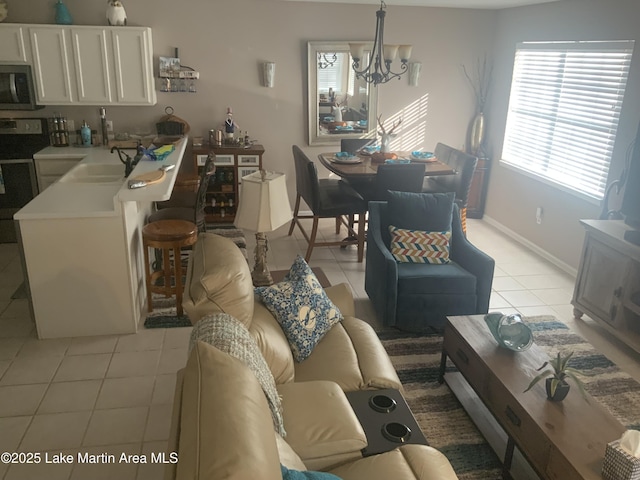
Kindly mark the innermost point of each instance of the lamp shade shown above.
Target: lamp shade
(264, 203)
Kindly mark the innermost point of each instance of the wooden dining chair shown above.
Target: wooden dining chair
(352, 145)
(327, 198)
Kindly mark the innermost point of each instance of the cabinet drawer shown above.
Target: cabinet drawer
(248, 160)
(55, 167)
(516, 422)
(224, 160)
(466, 360)
(201, 160)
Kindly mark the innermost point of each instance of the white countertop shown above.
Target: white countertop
(66, 199)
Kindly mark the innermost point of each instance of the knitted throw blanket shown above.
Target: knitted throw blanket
(230, 336)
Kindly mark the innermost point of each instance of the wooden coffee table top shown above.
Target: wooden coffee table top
(561, 440)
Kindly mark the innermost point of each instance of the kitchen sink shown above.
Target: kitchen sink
(95, 173)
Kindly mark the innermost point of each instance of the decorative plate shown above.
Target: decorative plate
(423, 157)
(346, 160)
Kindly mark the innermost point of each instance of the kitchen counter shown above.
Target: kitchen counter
(82, 243)
(66, 199)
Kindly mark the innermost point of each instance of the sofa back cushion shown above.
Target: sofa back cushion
(226, 430)
(218, 280)
(273, 344)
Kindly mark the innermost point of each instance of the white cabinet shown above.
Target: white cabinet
(49, 171)
(133, 61)
(93, 70)
(92, 65)
(12, 39)
(51, 65)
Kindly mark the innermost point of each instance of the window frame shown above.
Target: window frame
(524, 112)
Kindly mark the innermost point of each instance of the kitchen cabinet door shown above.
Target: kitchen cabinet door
(51, 65)
(132, 56)
(92, 66)
(12, 39)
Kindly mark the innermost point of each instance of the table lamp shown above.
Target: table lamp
(264, 206)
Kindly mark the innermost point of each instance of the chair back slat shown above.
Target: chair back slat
(399, 177)
(464, 165)
(306, 179)
(352, 145)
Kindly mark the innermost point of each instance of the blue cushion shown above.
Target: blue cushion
(429, 212)
(301, 307)
(450, 278)
(306, 475)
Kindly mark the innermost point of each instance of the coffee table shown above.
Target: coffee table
(560, 440)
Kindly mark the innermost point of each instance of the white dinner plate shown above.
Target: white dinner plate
(346, 160)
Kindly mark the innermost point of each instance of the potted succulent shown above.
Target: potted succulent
(557, 387)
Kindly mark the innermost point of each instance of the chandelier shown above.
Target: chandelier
(326, 62)
(379, 68)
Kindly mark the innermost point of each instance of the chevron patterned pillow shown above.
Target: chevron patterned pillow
(415, 246)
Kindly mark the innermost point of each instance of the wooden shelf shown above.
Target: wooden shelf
(232, 163)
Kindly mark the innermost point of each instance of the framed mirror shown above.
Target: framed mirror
(340, 105)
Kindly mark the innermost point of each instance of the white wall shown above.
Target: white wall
(513, 197)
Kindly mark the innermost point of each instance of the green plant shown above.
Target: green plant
(560, 372)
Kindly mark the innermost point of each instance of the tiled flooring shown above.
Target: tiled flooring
(114, 394)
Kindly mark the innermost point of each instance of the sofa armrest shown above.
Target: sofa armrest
(321, 426)
(170, 470)
(342, 296)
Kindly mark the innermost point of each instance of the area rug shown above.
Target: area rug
(164, 314)
(231, 232)
(446, 424)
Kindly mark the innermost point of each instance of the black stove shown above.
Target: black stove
(20, 138)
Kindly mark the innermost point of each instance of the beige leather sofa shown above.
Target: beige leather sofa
(222, 427)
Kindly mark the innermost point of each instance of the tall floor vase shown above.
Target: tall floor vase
(477, 133)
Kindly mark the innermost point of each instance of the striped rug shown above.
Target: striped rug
(446, 424)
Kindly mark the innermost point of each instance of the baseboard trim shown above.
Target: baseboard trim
(531, 246)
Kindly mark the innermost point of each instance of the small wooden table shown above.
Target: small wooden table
(367, 169)
(561, 440)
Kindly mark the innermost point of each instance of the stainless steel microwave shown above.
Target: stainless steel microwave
(17, 91)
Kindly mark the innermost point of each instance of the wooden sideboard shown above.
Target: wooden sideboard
(232, 163)
(608, 282)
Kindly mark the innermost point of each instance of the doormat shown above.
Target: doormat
(447, 425)
(164, 314)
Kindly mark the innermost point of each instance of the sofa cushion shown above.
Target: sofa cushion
(218, 280)
(288, 457)
(404, 208)
(418, 462)
(228, 335)
(416, 246)
(273, 343)
(351, 355)
(301, 307)
(321, 425)
(225, 433)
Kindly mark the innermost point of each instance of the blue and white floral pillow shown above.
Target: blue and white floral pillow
(301, 307)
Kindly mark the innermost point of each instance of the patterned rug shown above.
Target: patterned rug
(164, 314)
(446, 424)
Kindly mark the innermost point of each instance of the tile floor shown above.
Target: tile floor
(114, 394)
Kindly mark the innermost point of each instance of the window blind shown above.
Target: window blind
(564, 110)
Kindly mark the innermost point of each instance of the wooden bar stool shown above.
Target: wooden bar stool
(167, 236)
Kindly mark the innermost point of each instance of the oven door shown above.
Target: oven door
(17, 188)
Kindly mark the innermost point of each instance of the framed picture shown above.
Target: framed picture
(169, 67)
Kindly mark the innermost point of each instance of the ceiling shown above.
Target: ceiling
(485, 4)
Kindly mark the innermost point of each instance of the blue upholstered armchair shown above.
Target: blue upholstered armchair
(418, 296)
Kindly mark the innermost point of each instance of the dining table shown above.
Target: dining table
(362, 168)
